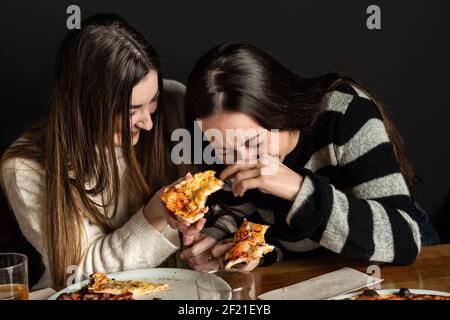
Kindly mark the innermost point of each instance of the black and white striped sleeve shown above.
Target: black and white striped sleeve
(371, 216)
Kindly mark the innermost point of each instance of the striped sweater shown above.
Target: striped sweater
(353, 201)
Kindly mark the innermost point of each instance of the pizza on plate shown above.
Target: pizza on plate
(84, 294)
(187, 199)
(249, 244)
(101, 287)
(100, 283)
(402, 294)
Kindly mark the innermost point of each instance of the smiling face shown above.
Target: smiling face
(143, 104)
(249, 141)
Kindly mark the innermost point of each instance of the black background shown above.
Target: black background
(405, 63)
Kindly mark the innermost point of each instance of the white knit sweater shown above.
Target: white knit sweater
(134, 244)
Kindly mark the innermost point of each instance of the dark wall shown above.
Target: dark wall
(406, 63)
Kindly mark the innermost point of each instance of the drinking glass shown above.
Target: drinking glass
(13, 276)
(226, 285)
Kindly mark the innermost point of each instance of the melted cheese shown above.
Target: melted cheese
(188, 198)
(249, 244)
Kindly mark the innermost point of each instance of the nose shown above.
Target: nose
(145, 121)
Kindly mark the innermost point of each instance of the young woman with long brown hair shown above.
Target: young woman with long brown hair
(343, 181)
(84, 183)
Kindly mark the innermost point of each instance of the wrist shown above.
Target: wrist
(297, 187)
(155, 218)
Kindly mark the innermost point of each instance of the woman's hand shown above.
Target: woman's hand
(208, 255)
(269, 175)
(199, 256)
(158, 216)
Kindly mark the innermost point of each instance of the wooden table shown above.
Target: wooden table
(430, 271)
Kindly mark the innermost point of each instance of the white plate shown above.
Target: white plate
(181, 283)
(391, 291)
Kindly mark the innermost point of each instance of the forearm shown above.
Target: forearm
(371, 230)
(137, 244)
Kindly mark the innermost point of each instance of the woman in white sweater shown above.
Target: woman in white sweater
(84, 184)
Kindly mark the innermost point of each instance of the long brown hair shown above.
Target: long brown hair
(240, 77)
(96, 70)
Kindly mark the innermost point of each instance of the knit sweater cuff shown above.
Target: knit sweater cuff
(141, 231)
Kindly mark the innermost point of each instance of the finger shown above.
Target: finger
(196, 227)
(248, 184)
(188, 240)
(175, 223)
(221, 248)
(198, 248)
(202, 258)
(265, 159)
(244, 175)
(232, 169)
(212, 265)
(247, 266)
(200, 224)
(172, 219)
(270, 165)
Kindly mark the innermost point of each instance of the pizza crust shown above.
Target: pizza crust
(244, 252)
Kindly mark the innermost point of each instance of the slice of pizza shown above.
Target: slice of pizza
(100, 283)
(187, 199)
(250, 231)
(249, 244)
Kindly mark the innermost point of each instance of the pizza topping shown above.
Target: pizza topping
(187, 199)
(103, 288)
(370, 293)
(403, 294)
(251, 231)
(249, 244)
(84, 295)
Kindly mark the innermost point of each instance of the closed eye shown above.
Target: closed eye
(250, 141)
(156, 96)
(253, 146)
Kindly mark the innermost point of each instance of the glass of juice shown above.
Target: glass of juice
(13, 276)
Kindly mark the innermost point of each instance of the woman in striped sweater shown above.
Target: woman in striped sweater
(342, 180)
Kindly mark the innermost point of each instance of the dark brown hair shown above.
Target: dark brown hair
(240, 77)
